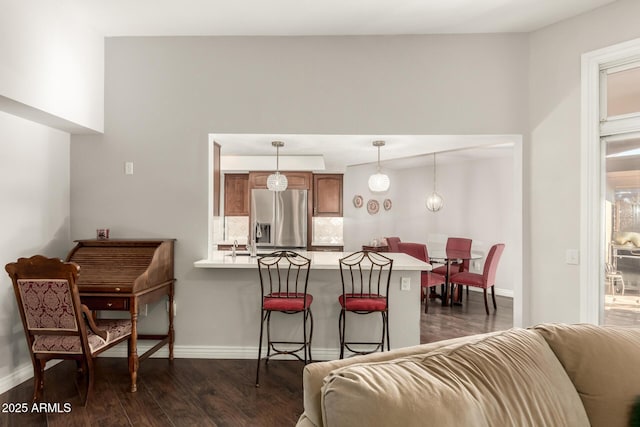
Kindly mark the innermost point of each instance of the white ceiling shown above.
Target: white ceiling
(399, 151)
(326, 17)
(113, 18)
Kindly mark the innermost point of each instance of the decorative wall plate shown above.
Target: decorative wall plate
(358, 201)
(386, 204)
(373, 206)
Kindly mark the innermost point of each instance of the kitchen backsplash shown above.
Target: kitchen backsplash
(236, 228)
(328, 231)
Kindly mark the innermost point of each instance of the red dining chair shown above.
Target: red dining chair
(460, 244)
(427, 278)
(485, 280)
(392, 242)
(284, 278)
(365, 279)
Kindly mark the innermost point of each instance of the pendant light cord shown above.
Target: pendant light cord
(434, 172)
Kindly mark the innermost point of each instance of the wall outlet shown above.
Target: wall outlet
(128, 168)
(405, 283)
(144, 311)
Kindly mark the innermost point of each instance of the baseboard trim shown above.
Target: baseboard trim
(216, 352)
(25, 371)
(500, 292)
(21, 374)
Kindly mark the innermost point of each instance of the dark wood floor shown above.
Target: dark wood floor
(203, 392)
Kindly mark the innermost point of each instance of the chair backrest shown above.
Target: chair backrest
(365, 273)
(491, 264)
(416, 250)
(460, 244)
(283, 274)
(48, 298)
(392, 242)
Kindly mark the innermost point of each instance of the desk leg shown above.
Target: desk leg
(133, 348)
(171, 332)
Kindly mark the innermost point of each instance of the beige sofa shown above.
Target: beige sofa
(550, 375)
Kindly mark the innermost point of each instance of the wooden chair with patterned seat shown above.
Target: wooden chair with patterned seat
(56, 324)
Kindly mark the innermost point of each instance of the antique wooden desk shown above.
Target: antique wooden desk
(123, 275)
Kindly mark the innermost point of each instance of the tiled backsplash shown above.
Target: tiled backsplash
(236, 228)
(327, 231)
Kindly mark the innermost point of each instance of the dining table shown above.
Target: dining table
(450, 257)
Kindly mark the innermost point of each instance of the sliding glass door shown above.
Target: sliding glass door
(620, 132)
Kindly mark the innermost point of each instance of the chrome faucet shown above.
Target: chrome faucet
(233, 248)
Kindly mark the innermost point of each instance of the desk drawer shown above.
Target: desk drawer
(106, 303)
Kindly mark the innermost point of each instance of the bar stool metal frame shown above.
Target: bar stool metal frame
(362, 274)
(284, 279)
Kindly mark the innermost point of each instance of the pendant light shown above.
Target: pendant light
(378, 182)
(434, 202)
(276, 181)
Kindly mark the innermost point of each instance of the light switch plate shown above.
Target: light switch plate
(572, 256)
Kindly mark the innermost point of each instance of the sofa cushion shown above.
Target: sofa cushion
(604, 365)
(512, 378)
(314, 374)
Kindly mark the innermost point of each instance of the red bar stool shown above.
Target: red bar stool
(427, 278)
(284, 277)
(365, 289)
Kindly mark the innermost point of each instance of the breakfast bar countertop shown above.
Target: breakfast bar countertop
(320, 260)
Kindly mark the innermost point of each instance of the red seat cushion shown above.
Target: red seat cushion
(443, 269)
(466, 278)
(429, 278)
(282, 301)
(364, 302)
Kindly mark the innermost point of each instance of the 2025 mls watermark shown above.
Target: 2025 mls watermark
(36, 407)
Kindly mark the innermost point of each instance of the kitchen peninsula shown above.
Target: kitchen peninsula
(237, 280)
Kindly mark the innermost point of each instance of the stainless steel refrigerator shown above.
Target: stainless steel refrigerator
(279, 218)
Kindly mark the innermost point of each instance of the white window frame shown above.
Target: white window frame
(595, 124)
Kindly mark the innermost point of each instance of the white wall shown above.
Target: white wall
(34, 219)
(553, 153)
(479, 204)
(165, 95)
(360, 227)
(51, 64)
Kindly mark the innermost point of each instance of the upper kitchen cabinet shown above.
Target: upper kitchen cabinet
(236, 194)
(327, 195)
(297, 180)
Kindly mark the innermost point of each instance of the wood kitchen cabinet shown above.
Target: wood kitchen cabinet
(327, 195)
(236, 194)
